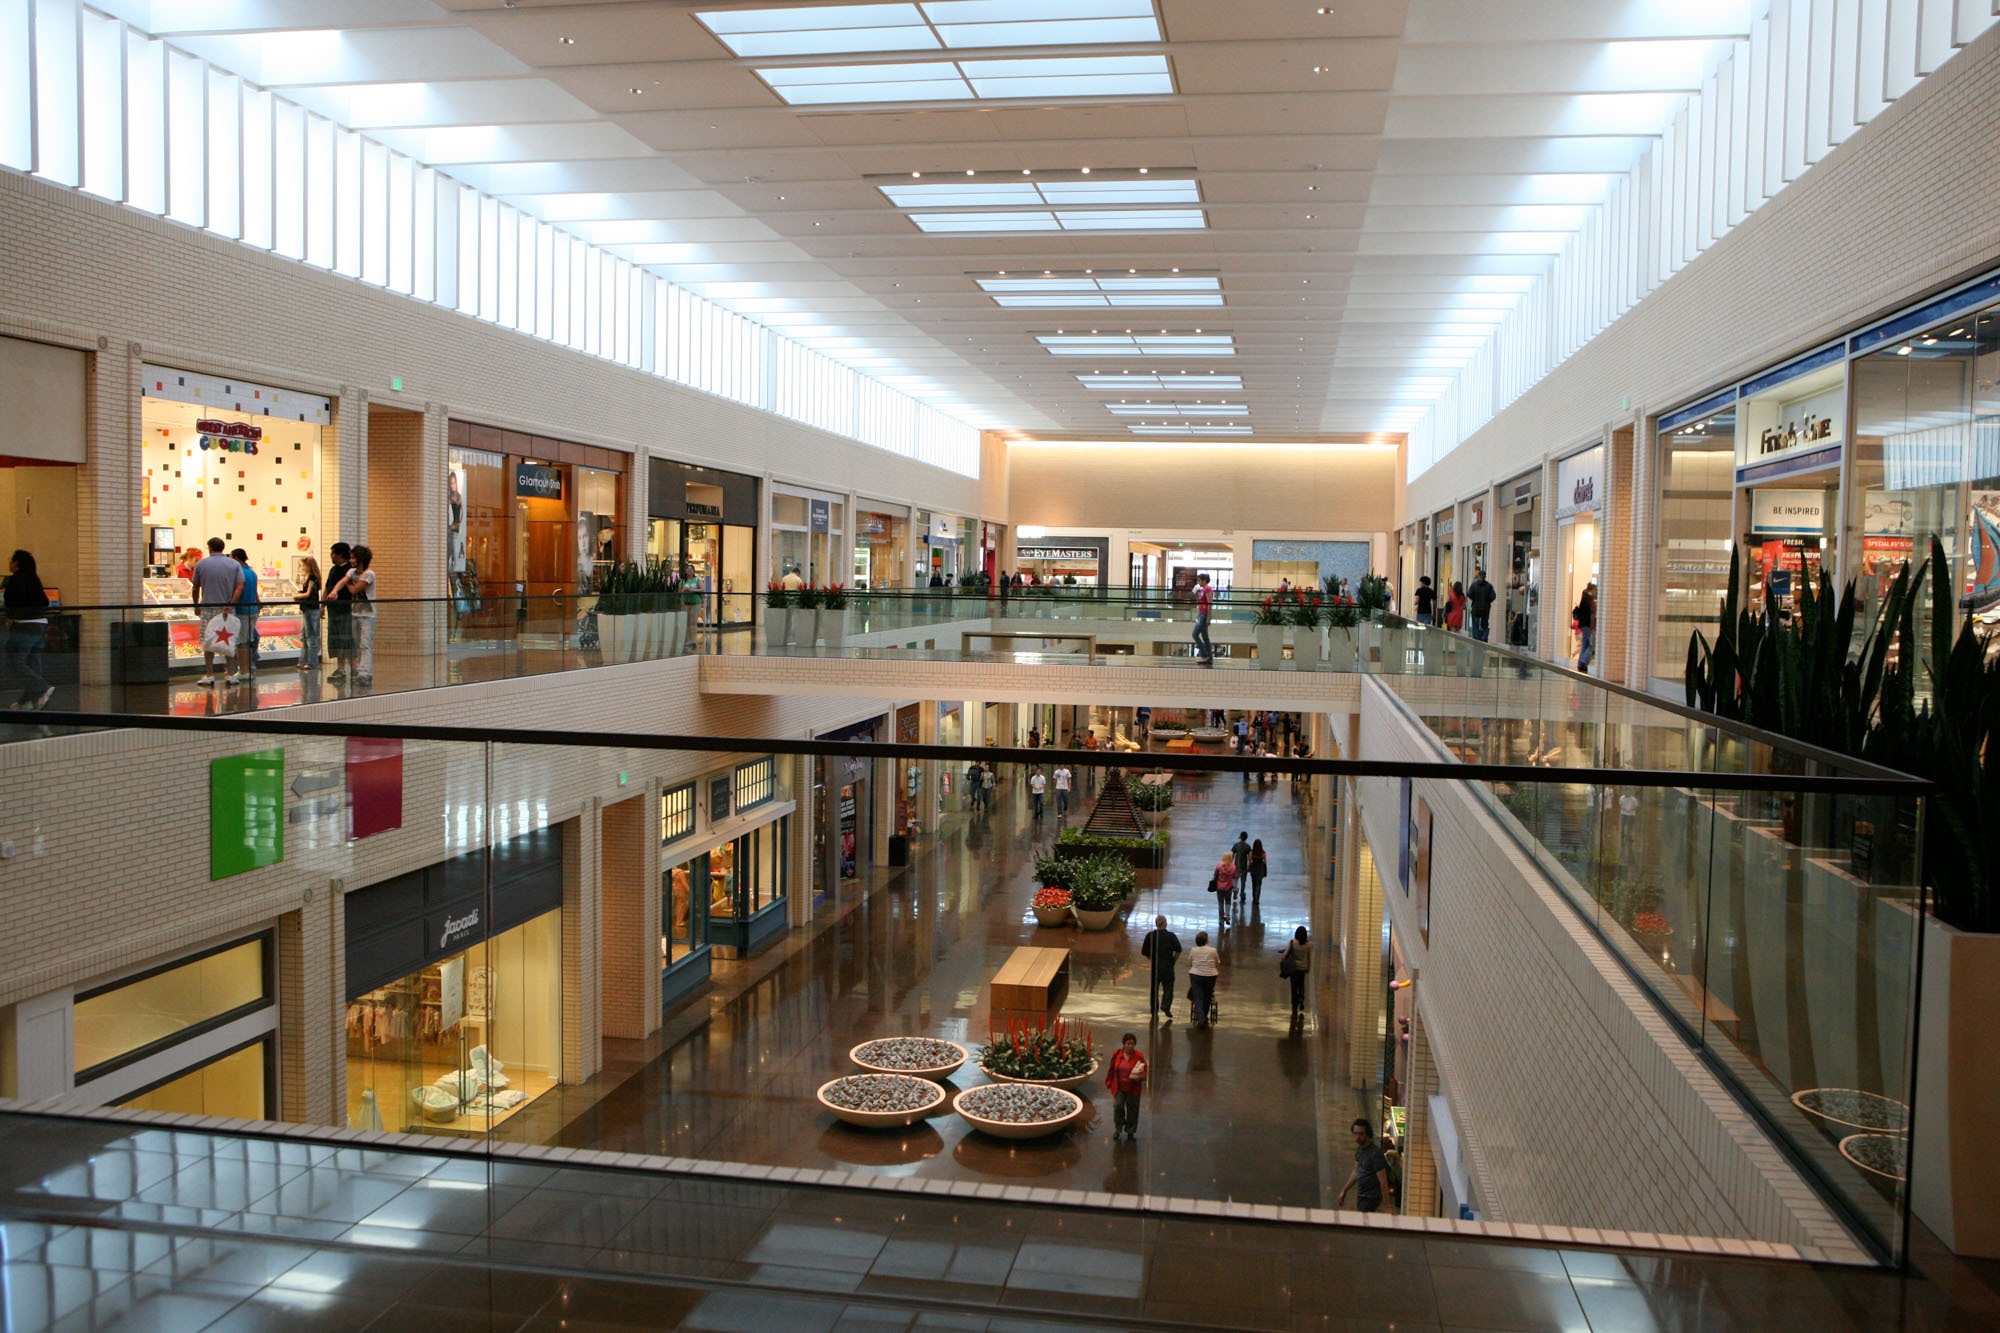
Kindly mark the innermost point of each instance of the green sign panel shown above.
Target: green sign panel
(246, 812)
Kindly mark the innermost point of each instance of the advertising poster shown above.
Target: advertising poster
(1982, 556)
(847, 830)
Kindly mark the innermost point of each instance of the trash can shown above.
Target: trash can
(899, 849)
(139, 652)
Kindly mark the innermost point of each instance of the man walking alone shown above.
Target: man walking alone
(1204, 603)
(1479, 606)
(1160, 948)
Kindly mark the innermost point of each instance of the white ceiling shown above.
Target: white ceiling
(1379, 179)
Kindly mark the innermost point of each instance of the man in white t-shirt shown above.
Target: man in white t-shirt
(792, 582)
(1063, 777)
(1037, 784)
(217, 583)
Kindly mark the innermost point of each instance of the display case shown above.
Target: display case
(279, 624)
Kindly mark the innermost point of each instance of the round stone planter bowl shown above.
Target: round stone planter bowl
(896, 1119)
(936, 1073)
(1015, 1129)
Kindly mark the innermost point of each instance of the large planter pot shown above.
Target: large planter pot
(1395, 650)
(937, 1073)
(833, 627)
(1051, 916)
(798, 626)
(1090, 920)
(1270, 646)
(1955, 1150)
(1340, 649)
(896, 1119)
(614, 636)
(777, 626)
(1306, 648)
(967, 1105)
(673, 633)
(1070, 1084)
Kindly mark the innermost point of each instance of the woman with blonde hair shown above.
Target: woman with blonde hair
(308, 596)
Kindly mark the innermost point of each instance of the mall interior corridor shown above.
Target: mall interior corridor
(732, 1077)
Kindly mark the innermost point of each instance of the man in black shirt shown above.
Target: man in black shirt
(1162, 946)
(1427, 600)
(1479, 600)
(1370, 1180)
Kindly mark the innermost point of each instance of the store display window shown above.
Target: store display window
(703, 524)
(477, 515)
(237, 1084)
(1926, 411)
(807, 534)
(455, 988)
(1790, 431)
(136, 1016)
(462, 1044)
(1691, 554)
(240, 461)
(881, 549)
(528, 515)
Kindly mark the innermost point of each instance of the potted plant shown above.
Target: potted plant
(805, 621)
(1342, 619)
(1051, 1051)
(1097, 890)
(777, 615)
(833, 615)
(614, 632)
(1270, 632)
(1051, 904)
(1052, 870)
(1388, 639)
(1306, 611)
(663, 602)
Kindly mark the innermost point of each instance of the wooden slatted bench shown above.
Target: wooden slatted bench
(1033, 980)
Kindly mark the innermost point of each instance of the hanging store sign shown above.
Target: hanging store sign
(1580, 482)
(1788, 513)
(1055, 553)
(538, 481)
(822, 514)
(1780, 429)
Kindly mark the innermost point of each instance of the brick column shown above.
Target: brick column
(312, 1051)
(109, 561)
(343, 508)
(799, 892)
(582, 965)
(637, 489)
(405, 469)
(1420, 1171)
(629, 874)
(1364, 974)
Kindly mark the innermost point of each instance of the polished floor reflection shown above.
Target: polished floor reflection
(1236, 1111)
(109, 1226)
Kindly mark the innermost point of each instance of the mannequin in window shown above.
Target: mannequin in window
(683, 893)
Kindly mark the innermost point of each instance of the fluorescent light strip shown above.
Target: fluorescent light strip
(1190, 430)
(1075, 284)
(996, 193)
(963, 24)
(1131, 219)
(986, 80)
(1132, 381)
(1178, 409)
(1131, 301)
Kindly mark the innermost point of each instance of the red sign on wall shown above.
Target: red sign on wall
(374, 786)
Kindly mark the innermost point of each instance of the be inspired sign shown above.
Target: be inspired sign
(1788, 513)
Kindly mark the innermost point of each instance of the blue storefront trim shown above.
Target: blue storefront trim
(746, 935)
(681, 979)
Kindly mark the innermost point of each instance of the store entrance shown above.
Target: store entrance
(718, 558)
(1576, 561)
(1788, 538)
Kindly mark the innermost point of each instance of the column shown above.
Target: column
(1551, 618)
(109, 559)
(927, 802)
(312, 973)
(636, 498)
(344, 477)
(1420, 1170)
(799, 892)
(1364, 975)
(582, 963)
(629, 873)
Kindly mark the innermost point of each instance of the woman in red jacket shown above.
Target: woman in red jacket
(1126, 1080)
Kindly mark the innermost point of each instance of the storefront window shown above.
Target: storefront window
(1521, 527)
(807, 533)
(462, 1045)
(528, 515)
(1443, 526)
(1788, 455)
(880, 549)
(1691, 559)
(1927, 465)
(476, 516)
(117, 1021)
(236, 1084)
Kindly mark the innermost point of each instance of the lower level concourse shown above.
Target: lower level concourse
(732, 1076)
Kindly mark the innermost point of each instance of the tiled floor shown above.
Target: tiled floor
(732, 1078)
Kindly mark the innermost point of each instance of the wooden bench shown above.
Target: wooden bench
(1033, 980)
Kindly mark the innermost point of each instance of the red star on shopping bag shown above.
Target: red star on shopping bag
(223, 636)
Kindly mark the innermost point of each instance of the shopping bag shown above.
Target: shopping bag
(218, 635)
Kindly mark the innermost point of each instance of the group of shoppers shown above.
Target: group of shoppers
(226, 584)
(1470, 610)
(1239, 874)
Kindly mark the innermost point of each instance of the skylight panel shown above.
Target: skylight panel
(1169, 284)
(1135, 219)
(1115, 301)
(817, 16)
(1124, 344)
(1039, 284)
(985, 222)
(1071, 301)
(1070, 76)
(1027, 11)
(1144, 190)
(998, 194)
(788, 76)
(1190, 430)
(1178, 409)
(824, 43)
(1054, 32)
(918, 81)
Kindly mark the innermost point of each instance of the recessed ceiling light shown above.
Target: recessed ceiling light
(636, 92)
(567, 41)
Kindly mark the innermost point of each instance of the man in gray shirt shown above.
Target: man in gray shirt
(218, 581)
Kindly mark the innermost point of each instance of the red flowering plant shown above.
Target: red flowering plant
(834, 597)
(1052, 897)
(777, 596)
(1039, 1048)
(1304, 610)
(1651, 923)
(1271, 612)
